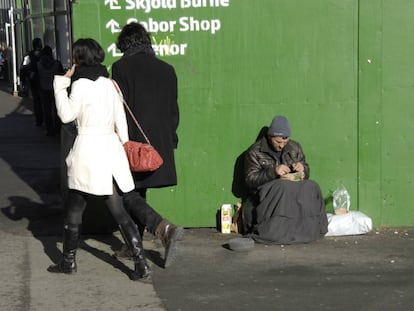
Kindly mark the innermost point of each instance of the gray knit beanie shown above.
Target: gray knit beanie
(279, 127)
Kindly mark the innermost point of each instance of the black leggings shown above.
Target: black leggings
(76, 202)
(141, 213)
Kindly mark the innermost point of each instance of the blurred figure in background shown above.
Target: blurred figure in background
(47, 68)
(29, 70)
(2, 63)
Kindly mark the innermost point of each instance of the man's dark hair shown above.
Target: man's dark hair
(132, 35)
(87, 52)
(37, 44)
(46, 51)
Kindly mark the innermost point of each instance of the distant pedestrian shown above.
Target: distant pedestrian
(33, 58)
(2, 63)
(47, 68)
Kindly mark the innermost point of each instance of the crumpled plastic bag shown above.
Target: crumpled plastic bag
(351, 223)
(341, 200)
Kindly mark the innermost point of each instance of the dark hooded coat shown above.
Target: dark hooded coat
(47, 68)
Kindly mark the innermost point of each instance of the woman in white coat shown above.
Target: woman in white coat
(97, 163)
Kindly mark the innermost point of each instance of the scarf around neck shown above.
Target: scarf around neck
(90, 72)
(142, 48)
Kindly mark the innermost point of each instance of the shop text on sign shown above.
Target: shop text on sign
(185, 23)
(149, 5)
(162, 31)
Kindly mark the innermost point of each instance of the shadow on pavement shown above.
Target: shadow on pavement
(31, 182)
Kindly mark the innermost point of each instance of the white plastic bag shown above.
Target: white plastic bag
(351, 223)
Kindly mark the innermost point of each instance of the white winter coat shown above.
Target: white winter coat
(97, 155)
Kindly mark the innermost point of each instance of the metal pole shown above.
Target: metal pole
(7, 34)
(13, 42)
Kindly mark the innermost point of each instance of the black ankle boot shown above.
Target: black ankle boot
(141, 270)
(67, 264)
(133, 241)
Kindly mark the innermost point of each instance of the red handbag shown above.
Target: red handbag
(142, 157)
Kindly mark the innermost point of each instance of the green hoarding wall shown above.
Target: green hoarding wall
(386, 92)
(340, 70)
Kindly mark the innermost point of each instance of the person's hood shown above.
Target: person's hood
(47, 61)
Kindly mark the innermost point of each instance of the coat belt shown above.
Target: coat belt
(95, 131)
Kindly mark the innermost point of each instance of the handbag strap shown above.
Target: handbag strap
(130, 111)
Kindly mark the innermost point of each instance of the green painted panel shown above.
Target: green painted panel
(370, 112)
(385, 119)
(397, 125)
(292, 57)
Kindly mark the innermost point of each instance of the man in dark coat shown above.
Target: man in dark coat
(149, 86)
(284, 206)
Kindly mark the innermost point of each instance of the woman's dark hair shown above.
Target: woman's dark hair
(132, 35)
(87, 52)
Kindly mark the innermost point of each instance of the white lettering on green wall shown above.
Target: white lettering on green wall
(151, 25)
(204, 3)
(186, 24)
(169, 49)
(165, 33)
(192, 24)
(113, 4)
(149, 5)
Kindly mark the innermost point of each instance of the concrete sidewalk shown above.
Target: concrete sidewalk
(368, 272)
(31, 225)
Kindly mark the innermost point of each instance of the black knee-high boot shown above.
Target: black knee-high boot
(133, 241)
(67, 264)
